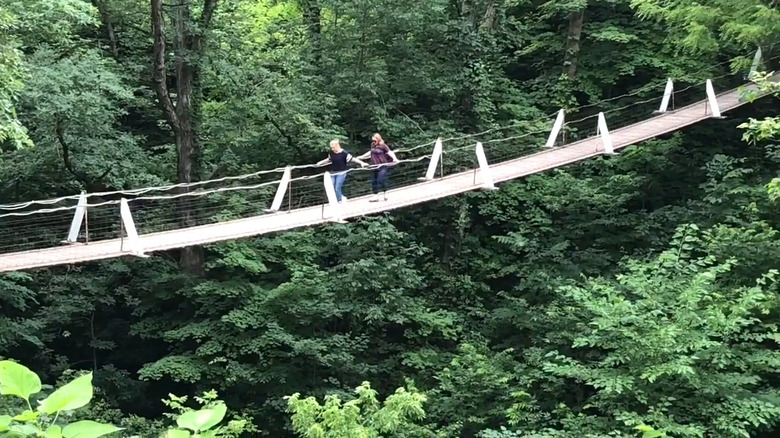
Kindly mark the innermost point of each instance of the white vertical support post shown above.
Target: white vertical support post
(129, 226)
(712, 99)
(434, 160)
(667, 95)
(330, 192)
(281, 190)
(78, 218)
(484, 169)
(555, 130)
(756, 62)
(606, 139)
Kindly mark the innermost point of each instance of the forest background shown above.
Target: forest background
(628, 290)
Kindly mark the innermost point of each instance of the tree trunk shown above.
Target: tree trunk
(105, 18)
(489, 20)
(312, 16)
(467, 11)
(572, 55)
(188, 44)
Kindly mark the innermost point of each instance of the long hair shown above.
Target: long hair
(376, 139)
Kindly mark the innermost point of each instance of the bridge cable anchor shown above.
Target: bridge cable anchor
(128, 227)
(435, 158)
(606, 139)
(484, 169)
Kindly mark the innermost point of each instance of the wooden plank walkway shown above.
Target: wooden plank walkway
(356, 207)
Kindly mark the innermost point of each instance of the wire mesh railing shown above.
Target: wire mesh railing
(45, 223)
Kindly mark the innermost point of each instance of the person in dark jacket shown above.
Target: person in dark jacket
(339, 159)
(381, 158)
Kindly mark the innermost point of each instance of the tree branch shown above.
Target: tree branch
(208, 12)
(290, 141)
(108, 23)
(104, 174)
(82, 177)
(59, 129)
(217, 171)
(160, 73)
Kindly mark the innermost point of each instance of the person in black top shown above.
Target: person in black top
(338, 159)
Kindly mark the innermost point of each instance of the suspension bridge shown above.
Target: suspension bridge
(76, 229)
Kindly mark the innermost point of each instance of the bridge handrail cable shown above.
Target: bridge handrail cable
(141, 191)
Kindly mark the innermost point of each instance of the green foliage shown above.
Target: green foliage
(760, 130)
(362, 417)
(518, 312)
(204, 422)
(57, 22)
(11, 74)
(709, 25)
(16, 299)
(18, 381)
(757, 131)
(72, 396)
(768, 129)
(473, 387)
(774, 189)
(666, 340)
(23, 25)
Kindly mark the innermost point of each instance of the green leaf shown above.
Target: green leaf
(27, 416)
(203, 419)
(5, 421)
(54, 432)
(88, 429)
(648, 432)
(177, 433)
(74, 395)
(26, 429)
(18, 380)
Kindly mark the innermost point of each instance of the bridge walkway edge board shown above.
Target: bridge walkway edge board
(401, 197)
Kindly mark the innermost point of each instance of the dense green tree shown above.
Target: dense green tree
(714, 25)
(11, 77)
(524, 308)
(363, 417)
(666, 341)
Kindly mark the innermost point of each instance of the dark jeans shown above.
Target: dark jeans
(379, 179)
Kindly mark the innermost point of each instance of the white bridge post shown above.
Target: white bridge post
(437, 149)
(78, 218)
(484, 169)
(129, 226)
(330, 192)
(713, 100)
(281, 190)
(606, 139)
(667, 95)
(756, 63)
(555, 130)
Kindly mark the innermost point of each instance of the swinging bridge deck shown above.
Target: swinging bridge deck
(454, 184)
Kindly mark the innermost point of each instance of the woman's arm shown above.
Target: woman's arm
(323, 162)
(389, 152)
(350, 158)
(392, 155)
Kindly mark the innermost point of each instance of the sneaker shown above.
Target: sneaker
(343, 199)
(373, 198)
(384, 195)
